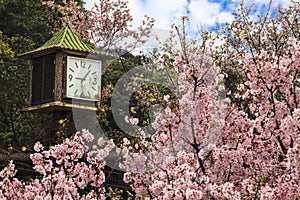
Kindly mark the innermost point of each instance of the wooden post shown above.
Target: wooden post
(59, 72)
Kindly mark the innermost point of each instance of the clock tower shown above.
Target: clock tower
(64, 69)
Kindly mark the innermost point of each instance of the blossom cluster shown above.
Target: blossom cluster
(66, 171)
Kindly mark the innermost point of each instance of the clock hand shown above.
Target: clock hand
(83, 79)
(86, 75)
(79, 78)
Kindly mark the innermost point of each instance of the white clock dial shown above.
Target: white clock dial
(83, 78)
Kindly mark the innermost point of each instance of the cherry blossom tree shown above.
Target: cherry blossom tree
(256, 151)
(69, 13)
(66, 171)
(111, 26)
(171, 164)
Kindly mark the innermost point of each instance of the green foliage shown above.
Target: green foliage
(297, 198)
(120, 194)
(145, 97)
(118, 68)
(140, 102)
(25, 18)
(28, 19)
(14, 80)
(110, 77)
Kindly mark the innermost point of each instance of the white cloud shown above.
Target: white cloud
(275, 3)
(89, 4)
(225, 17)
(165, 12)
(204, 13)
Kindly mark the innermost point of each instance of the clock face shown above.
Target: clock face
(83, 78)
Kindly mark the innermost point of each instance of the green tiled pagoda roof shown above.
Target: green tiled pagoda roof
(66, 39)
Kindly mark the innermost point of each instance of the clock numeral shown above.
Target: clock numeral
(95, 80)
(82, 95)
(70, 77)
(75, 94)
(83, 63)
